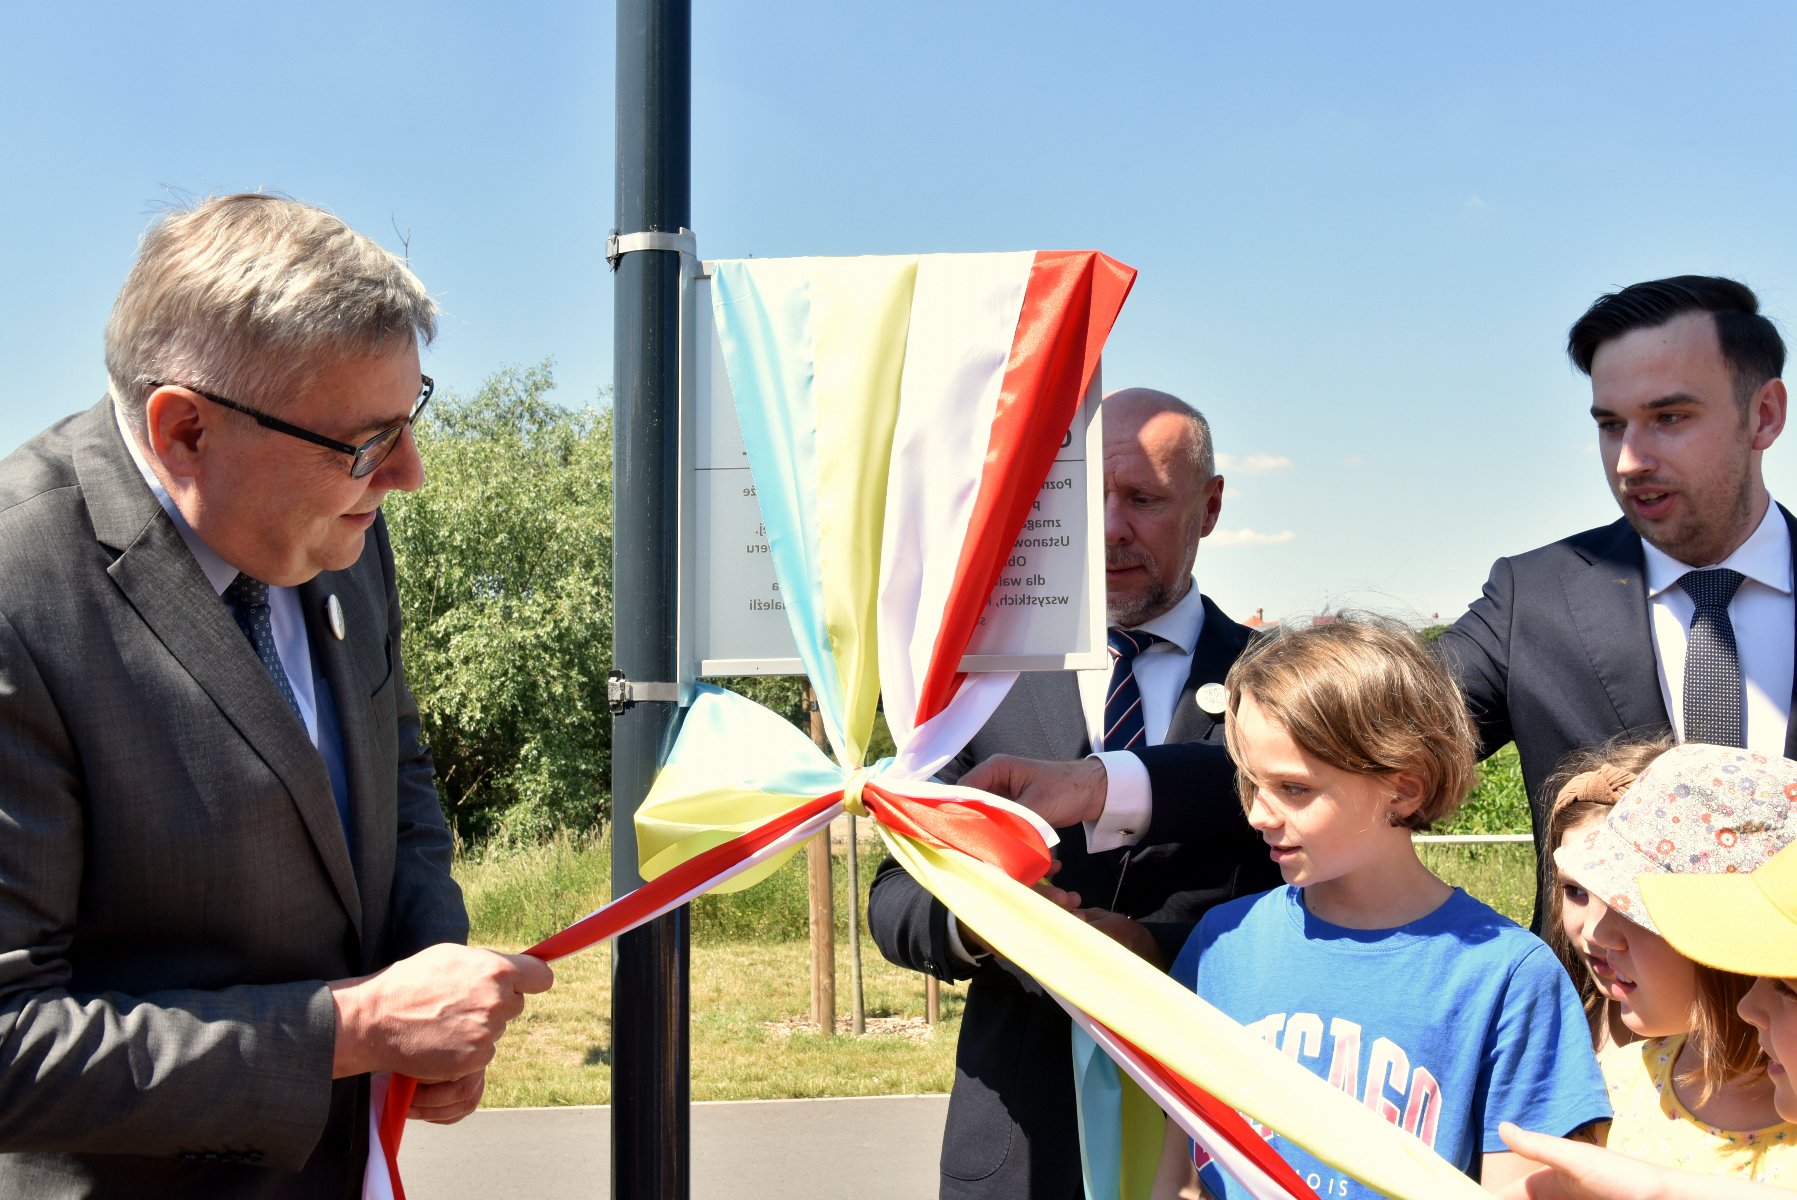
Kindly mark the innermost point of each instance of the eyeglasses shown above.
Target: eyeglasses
(364, 459)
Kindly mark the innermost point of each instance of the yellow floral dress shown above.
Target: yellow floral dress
(1652, 1125)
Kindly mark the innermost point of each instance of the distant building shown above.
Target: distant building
(1259, 621)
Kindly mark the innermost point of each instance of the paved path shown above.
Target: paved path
(877, 1148)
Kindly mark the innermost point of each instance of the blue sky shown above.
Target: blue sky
(1362, 229)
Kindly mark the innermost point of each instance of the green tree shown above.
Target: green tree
(504, 559)
(1499, 802)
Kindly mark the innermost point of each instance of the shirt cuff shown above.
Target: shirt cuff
(1128, 803)
(958, 949)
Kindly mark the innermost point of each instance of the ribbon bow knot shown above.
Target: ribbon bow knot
(793, 784)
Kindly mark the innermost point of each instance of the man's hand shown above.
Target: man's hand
(435, 1015)
(1133, 936)
(1061, 793)
(448, 1102)
(973, 943)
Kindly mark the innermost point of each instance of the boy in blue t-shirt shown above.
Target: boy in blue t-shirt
(1431, 1008)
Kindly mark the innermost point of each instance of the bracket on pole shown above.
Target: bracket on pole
(622, 693)
(617, 245)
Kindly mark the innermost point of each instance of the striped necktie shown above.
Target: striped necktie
(1123, 729)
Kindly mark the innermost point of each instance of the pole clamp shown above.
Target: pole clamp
(617, 245)
(622, 692)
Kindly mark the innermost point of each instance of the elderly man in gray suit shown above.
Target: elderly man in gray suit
(225, 896)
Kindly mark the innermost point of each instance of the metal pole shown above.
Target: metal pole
(650, 1152)
(821, 904)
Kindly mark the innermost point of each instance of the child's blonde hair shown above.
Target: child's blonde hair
(1361, 694)
(1587, 785)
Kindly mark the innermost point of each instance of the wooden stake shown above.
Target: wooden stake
(857, 996)
(932, 999)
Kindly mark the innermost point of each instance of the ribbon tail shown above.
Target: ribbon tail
(390, 1098)
(1229, 1140)
(655, 898)
(1174, 1026)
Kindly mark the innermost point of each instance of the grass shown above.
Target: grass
(1502, 876)
(750, 1040)
(750, 980)
(751, 1036)
(520, 896)
(1498, 804)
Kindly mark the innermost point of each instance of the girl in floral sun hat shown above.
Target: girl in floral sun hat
(1695, 1093)
(1586, 787)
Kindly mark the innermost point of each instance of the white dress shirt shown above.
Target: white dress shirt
(1765, 622)
(285, 617)
(1161, 673)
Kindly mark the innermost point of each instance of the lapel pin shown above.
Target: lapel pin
(333, 613)
(1213, 698)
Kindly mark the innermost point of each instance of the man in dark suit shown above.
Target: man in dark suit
(1679, 616)
(1163, 835)
(224, 876)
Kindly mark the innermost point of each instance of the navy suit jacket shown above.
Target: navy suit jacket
(1557, 655)
(1012, 1129)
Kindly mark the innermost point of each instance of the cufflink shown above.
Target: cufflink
(1213, 698)
(333, 615)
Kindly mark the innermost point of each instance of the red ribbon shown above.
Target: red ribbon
(1225, 1122)
(992, 834)
(1069, 305)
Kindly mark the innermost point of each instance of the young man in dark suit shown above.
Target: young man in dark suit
(1151, 833)
(225, 896)
(1679, 616)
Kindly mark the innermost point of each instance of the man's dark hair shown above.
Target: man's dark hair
(1750, 343)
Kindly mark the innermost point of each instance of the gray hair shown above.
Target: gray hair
(246, 295)
(1204, 456)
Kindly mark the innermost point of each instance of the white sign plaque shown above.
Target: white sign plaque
(1046, 612)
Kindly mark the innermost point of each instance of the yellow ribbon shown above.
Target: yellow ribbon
(1164, 1019)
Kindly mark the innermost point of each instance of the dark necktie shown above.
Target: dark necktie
(1712, 662)
(248, 601)
(1123, 729)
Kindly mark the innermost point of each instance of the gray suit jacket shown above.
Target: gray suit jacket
(175, 884)
(1557, 655)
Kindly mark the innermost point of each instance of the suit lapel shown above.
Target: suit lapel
(1606, 598)
(1220, 641)
(347, 667)
(160, 578)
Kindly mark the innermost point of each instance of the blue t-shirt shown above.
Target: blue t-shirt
(1444, 1026)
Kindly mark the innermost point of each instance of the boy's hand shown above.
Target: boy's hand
(973, 943)
(1133, 936)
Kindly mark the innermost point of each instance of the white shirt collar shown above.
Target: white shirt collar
(219, 573)
(1765, 558)
(1180, 624)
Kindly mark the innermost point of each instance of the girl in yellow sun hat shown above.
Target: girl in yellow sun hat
(1743, 921)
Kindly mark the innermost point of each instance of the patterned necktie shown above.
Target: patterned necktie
(1123, 728)
(1712, 662)
(248, 601)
